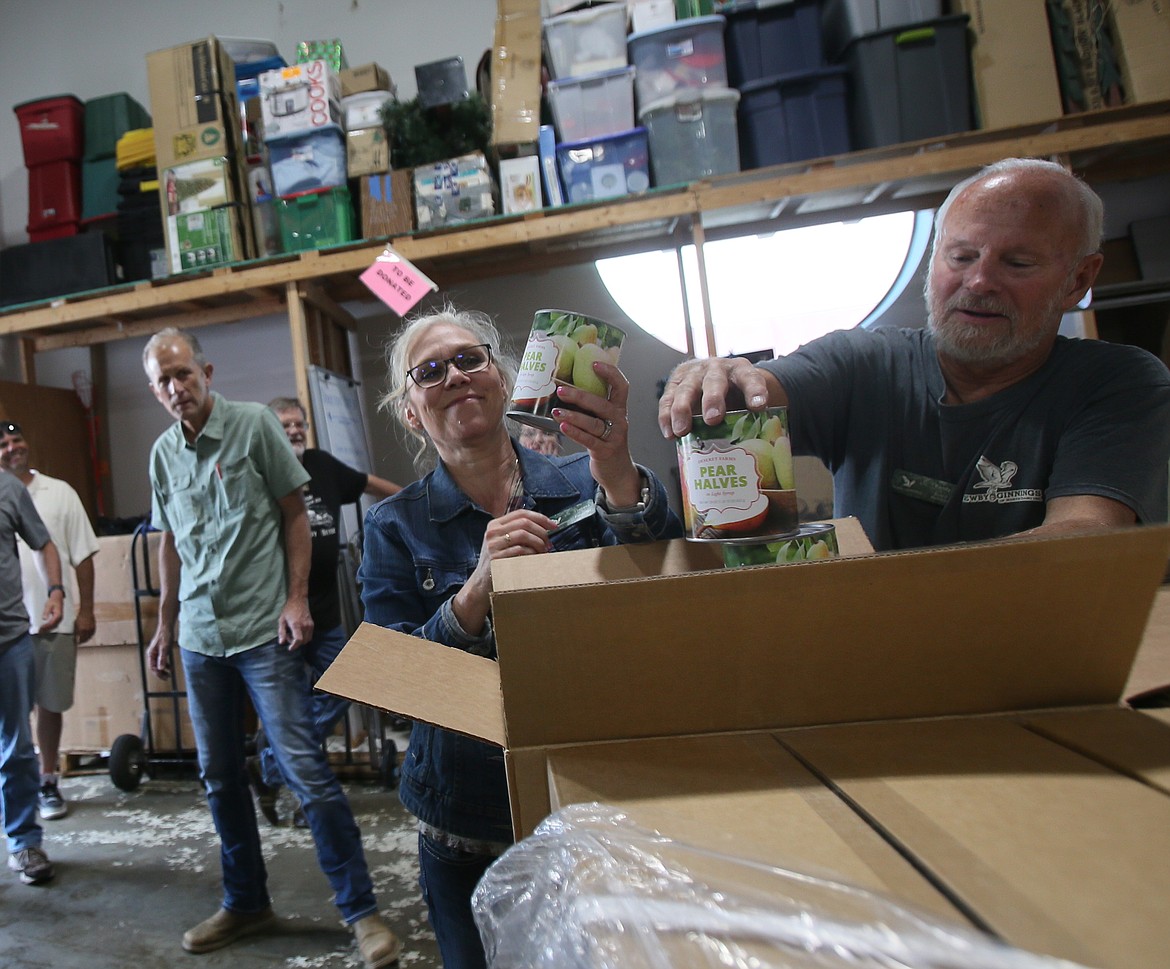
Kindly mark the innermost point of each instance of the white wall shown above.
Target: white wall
(91, 48)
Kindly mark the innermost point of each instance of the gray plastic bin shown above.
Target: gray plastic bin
(843, 21)
(910, 83)
(692, 135)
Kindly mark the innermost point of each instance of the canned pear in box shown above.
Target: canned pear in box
(737, 477)
(817, 540)
(561, 349)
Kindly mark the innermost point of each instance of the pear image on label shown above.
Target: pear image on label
(562, 348)
(737, 477)
(584, 377)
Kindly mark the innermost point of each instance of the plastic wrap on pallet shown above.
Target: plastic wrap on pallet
(590, 888)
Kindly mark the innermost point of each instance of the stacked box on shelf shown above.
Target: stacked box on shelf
(683, 99)
(52, 133)
(908, 67)
(910, 83)
(792, 106)
(304, 136)
(591, 98)
(453, 191)
(106, 120)
(197, 137)
(141, 241)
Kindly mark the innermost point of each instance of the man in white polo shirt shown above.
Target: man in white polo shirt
(56, 651)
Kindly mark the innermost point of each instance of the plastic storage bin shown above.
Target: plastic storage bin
(54, 196)
(586, 41)
(364, 110)
(107, 119)
(312, 220)
(686, 54)
(99, 187)
(910, 83)
(248, 50)
(770, 40)
(305, 163)
(51, 129)
(692, 135)
(54, 267)
(844, 21)
(593, 105)
(599, 168)
(792, 117)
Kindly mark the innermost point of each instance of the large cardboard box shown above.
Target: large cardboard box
(1012, 66)
(110, 694)
(110, 701)
(193, 102)
(1141, 31)
(884, 717)
(125, 577)
(516, 72)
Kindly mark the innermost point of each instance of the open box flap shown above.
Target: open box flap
(991, 627)
(676, 557)
(420, 680)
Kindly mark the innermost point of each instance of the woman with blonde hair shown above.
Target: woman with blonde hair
(426, 568)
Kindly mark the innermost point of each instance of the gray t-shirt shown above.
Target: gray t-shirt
(1095, 420)
(18, 516)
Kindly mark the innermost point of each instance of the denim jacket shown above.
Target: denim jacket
(421, 546)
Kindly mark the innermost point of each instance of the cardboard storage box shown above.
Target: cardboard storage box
(118, 563)
(920, 722)
(109, 698)
(453, 191)
(1012, 66)
(515, 74)
(1141, 31)
(110, 702)
(365, 77)
(367, 152)
(192, 102)
(385, 204)
(300, 99)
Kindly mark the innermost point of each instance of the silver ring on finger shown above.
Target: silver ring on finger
(605, 433)
(507, 539)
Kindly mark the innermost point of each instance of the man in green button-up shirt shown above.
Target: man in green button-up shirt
(233, 572)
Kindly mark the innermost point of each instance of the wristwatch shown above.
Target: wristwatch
(56, 587)
(635, 509)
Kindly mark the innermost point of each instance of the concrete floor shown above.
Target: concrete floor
(135, 870)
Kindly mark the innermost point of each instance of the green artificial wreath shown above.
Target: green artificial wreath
(422, 136)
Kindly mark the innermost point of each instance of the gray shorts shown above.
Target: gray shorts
(56, 655)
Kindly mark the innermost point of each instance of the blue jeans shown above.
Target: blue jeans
(326, 709)
(20, 771)
(447, 877)
(278, 683)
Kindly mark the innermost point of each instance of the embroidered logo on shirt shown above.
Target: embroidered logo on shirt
(996, 485)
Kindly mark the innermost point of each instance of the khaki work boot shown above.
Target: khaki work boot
(224, 927)
(377, 944)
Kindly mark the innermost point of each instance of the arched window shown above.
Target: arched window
(773, 291)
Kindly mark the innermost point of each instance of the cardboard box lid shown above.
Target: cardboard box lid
(982, 628)
(1050, 850)
(726, 793)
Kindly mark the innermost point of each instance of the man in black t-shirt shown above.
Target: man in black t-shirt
(987, 422)
(332, 485)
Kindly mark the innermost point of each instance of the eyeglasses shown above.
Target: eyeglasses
(434, 372)
(294, 425)
(7, 427)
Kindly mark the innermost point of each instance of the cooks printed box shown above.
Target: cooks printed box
(300, 98)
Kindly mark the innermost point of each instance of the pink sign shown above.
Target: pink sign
(396, 282)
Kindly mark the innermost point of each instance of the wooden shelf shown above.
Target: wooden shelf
(1100, 146)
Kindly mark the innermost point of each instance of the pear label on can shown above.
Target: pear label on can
(737, 477)
(561, 350)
